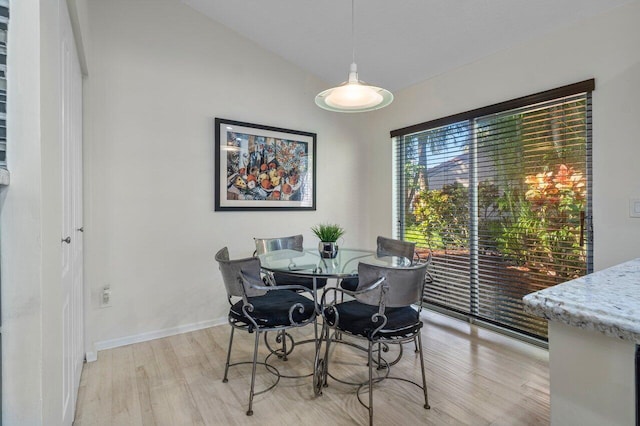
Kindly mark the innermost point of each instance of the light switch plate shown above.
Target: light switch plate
(634, 207)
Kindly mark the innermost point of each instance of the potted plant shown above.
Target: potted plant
(328, 235)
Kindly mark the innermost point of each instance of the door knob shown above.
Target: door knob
(81, 229)
(67, 240)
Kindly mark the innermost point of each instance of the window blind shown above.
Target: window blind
(502, 197)
(4, 21)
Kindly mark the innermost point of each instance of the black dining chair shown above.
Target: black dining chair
(269, 245)
(392, 247)
(386, 247)
(258, 308)
(382, 311)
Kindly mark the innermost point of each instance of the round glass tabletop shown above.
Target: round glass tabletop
(309, 263)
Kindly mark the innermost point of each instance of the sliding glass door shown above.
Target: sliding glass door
(502, 199)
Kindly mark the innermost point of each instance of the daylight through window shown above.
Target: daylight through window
(502, 197)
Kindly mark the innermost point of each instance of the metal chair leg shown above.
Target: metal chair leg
(226, 366)
(415, 342)
(424, 377)
(320, 370)
(326, 353)
(253, 373)
(380, 366)
(370, 383)
(283, 335)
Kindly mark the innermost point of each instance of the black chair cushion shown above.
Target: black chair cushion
(286, 279)
(272, 309)
(355, 318)
(350, 284)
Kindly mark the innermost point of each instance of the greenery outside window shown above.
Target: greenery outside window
(502, 197)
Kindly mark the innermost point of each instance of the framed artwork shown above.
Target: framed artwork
(263, 168)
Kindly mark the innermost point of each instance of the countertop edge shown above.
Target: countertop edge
(566, 313)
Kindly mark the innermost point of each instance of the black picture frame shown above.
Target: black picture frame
(260, 167)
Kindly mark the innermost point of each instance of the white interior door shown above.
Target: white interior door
(72, 228)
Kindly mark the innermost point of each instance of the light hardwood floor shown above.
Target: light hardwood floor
(474, 377)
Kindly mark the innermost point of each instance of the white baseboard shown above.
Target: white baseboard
(151, 335)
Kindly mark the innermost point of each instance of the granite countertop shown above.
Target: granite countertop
(607, 301)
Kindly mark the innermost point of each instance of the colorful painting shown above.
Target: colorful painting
(263, 168)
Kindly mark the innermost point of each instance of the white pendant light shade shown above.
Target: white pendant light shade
(354, 96)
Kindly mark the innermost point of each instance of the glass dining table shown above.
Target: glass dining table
(309, 263)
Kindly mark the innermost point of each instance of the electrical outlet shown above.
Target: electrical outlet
(634, 207)
(105, 297)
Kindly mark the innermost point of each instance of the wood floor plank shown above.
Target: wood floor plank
(474, 377)
(144, 396)
(125, 408)
(95, 398)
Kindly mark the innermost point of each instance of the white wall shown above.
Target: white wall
(20, 224)
(159, 74)
(51, 205)
(592, 377)
(604, 48)
(31, 220)
(79, 15)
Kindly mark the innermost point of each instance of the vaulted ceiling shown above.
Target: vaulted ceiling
(397, 42)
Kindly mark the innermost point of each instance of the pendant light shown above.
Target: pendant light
(354, 95)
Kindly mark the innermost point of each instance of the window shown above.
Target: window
(502, 197)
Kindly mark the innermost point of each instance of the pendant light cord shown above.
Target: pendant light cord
(353, 32)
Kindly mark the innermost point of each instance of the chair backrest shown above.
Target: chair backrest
(391, 247)
(230, 270)
(404, 286)
(265, 245)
